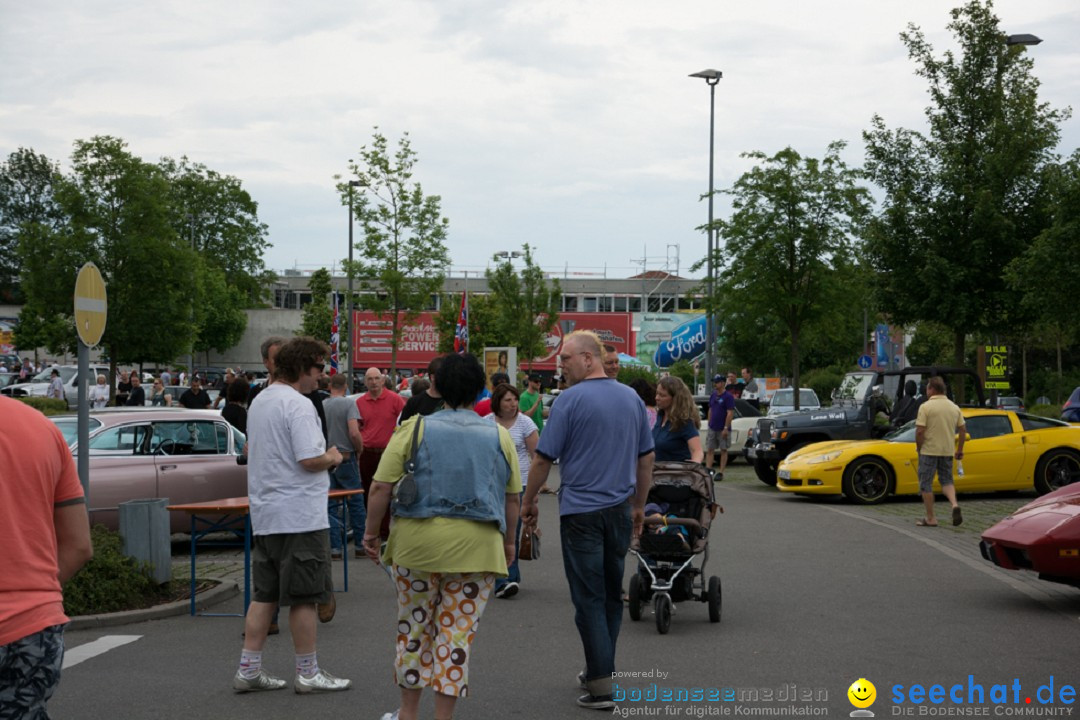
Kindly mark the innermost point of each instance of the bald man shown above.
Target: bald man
(379, 410)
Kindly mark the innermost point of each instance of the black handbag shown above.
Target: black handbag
(405, 488)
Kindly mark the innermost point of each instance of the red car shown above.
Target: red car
(1043, 536)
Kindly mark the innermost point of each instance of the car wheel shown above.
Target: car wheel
(715, 599)
(868, 480)
(634, 598)
(765, 470)
(663, 613)
(1056, 469)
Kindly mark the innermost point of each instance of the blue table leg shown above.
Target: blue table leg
(193, 554)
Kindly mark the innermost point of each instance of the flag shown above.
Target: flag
(334, 339)
(461, 332)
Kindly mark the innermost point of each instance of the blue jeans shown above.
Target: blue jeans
(594, 546)
(346, 477)
(513, 572)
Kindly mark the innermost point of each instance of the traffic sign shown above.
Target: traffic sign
(91, 304)
(865, 361)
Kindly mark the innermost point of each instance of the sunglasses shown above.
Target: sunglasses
(319, 366)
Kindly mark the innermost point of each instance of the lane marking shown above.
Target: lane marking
(82, 653)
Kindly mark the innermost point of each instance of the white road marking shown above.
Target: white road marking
(81, 653)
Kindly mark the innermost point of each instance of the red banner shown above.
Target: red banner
(419, 340)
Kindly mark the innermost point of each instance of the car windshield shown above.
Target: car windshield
(66, 373)
(785, 396)
(903, 434)
(854, 387)
(69, 428)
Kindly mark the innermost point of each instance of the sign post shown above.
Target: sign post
(90, 315)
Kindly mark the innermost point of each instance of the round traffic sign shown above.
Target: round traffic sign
(90, 304)
(865, 361)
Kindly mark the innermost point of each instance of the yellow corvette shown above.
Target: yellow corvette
(1004, 450)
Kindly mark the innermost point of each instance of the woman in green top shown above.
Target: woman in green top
(444, 565)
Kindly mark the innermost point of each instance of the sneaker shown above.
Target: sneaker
(336, 554)
(320, 682)
(508, 590)
(391, 715)
(718, 477)
(327, 610)
(262, 681)
(596, 702)
(361, 555)
(582, 681)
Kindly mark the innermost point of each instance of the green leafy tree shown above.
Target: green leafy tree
(219, 314)
(963, 200)
(117, 212)
(526, 309)
(318, 314)
(27, 184)
(403, 255)
(218, 216)
(482, 322)
(791, 233)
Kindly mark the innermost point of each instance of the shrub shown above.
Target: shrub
(628, 374)
(823, 381)
(685, 372)
(1050, 411)
(111, 581)
(48, 406)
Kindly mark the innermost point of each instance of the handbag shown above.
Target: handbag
(529, 548)
(405, 488)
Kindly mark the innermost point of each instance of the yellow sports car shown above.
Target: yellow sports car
(1004, 450)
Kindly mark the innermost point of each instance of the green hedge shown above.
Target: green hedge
(111, 581)
(1050, 411)
(48, 406)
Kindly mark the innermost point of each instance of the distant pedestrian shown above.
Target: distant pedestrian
(484, 407)
(936, 426)
(230, 377)
(428, 401)
(99, 394)
(46, 539)
(379, 410)
(721, 415)
(532, 402)
(166, 377)
(195, 398)
(611, 362)
(599, 432)
(647, 392)
(137, 397)
(235, 410)
(158, 396)
(751, 392)
(56, 386)
(287, 485)
(343, 428)
(123, 389)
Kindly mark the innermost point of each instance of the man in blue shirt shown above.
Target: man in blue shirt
(599, 432)
(721, 413)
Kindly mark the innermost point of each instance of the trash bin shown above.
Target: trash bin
(144, 526)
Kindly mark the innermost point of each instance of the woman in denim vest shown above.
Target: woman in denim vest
(452, 534)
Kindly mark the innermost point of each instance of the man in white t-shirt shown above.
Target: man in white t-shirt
(287, 485)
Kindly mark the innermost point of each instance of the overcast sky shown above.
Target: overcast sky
(571, 126)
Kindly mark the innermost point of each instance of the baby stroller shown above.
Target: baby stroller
(680, 509)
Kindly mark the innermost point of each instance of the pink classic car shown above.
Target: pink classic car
(183, 455)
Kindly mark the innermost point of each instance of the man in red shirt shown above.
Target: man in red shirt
(46, 541)
(379, 410)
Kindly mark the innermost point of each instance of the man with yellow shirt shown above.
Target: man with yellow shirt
(935, 426)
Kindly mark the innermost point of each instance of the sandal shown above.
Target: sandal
(925, 523)
(957, 518)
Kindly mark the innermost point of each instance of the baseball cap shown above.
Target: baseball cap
(717, 378)
(534, 377)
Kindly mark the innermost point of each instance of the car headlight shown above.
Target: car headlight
(827, 457)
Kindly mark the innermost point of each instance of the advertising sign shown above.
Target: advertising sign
(500, 360)
(371, 336)
(666, 338)
(997, 367)
(612, 329)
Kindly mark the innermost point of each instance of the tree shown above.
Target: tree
(27, 182)
(117, 217)
(215, 214)
(219, 315)
(794, 222)
(526, 309)
(403, 257)
(963, 201)
(318, 314)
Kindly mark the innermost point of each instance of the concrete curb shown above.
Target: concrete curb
(221, 592)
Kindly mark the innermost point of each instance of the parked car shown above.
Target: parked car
(1010, 402)
(783, 401)
(1070, 411)
(1005, 450)
(1043, 537)
(183, 455)
(746, 417)
(8, 378)
(38, 385)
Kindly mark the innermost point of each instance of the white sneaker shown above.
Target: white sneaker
(391, 715)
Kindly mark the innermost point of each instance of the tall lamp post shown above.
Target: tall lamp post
(349, 272)
(711, 77)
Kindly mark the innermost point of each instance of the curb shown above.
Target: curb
(221, 592)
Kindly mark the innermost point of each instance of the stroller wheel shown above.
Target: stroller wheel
(634, 598)
(663, 613)
(714, 599)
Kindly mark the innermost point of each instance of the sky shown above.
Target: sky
(568, 125)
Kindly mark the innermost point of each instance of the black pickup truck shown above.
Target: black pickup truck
(855, 414)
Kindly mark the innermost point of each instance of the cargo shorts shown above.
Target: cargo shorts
(292, 568)
(715, 440)
(929, 465)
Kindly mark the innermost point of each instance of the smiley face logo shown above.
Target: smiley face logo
(862, 693)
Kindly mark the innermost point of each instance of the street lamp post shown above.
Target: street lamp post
(711, 77)
(349, 272)
(191, 353)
